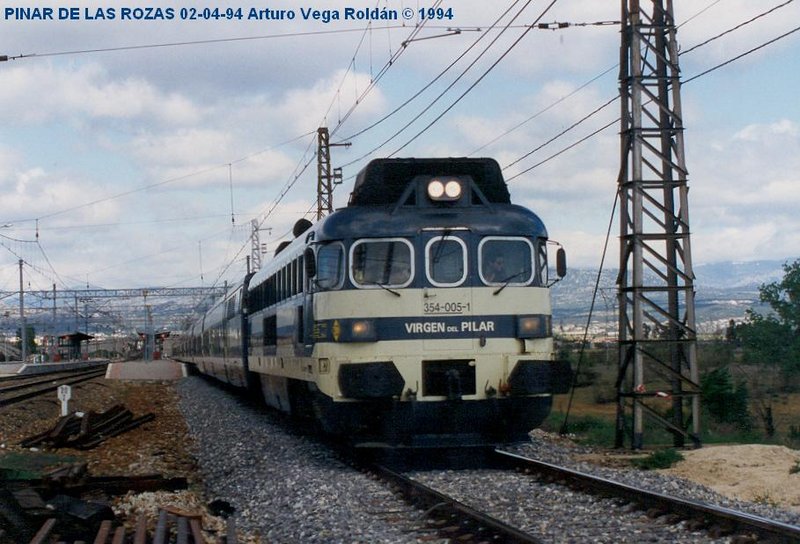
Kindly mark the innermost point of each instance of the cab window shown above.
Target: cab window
(385, 262)
(330, 266)
(506, 260)
(446, 261)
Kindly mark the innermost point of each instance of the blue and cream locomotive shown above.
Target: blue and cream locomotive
(419, 314)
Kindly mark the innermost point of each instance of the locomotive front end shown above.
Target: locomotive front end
(429, 313)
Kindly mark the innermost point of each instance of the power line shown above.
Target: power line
(185, 43)
(754, 49)
(431, 82)
(564, 150)
(737, 27)
(453, 83)
(544, 110)
(164, 182)
(474, 84)
(583, 86)
(382, 72)
(737, 57)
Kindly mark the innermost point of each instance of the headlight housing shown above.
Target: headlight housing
(534, 326)
(444, 189)
(363, 330)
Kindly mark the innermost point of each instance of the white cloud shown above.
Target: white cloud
(766, 133)
(43, 93)
(328, 100)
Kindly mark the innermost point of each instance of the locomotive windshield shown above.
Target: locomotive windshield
(386, 262)
(506, 260)
(447, 259)
(330, 266)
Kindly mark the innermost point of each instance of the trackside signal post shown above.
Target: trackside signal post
(658, 372)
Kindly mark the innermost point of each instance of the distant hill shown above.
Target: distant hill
(724, 291)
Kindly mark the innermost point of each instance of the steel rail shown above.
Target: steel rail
(85, 376)
(736, 521)
(37, 379)
(470, 521)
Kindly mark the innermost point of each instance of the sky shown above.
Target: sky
(136, 147)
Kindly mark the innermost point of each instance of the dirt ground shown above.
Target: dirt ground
(750, 472)
(161, 446)
(755, 473)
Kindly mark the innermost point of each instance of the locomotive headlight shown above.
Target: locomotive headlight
(452, 189)
(363, 330)
(534, 326)
(444, 189)
(435, 189)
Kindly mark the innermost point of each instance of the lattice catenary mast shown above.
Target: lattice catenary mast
(658, 374)
(327, 177)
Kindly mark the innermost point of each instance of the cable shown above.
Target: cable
(471, 87)
(453, 83)
(165, 182)
(187, 43)
(575, 124)
(563, 429)
(428, 85)
(382, 72)
(564, 150)
(769, 42)
(737, 57)
(737, 27)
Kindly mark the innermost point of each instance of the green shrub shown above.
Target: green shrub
(659, 459)
(724, 401)
(587, 429)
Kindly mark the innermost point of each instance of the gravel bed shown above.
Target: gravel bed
(563, 453)
(284, 488)
(555, 513)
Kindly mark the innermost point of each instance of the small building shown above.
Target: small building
(69, 346)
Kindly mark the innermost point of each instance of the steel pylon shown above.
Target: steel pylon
(658, 374)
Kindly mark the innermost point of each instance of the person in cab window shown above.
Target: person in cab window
(496, 270)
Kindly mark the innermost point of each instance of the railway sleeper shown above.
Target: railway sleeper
(171, 526)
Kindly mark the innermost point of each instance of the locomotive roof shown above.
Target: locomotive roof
(383, 181)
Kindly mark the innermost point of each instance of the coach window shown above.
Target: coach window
(506, 260)
(381, 263)
(330, 266)
(446, 261)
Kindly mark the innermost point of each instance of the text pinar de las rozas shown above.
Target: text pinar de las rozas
(144, 13)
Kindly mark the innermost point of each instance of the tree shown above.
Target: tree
(772, 342)
(30, 337)
(775, 339)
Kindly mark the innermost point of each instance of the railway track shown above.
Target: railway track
(12, 391)
(450, 518)
(722, 520)
(459, 522)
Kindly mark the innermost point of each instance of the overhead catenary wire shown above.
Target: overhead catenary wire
(476, 82)
(737, 27)
(163, 182)
(123, 48)
(687, 80)
(701, 74)
(452, 84)
(429, 85)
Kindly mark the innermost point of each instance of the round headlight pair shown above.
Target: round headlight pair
(439, 189)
